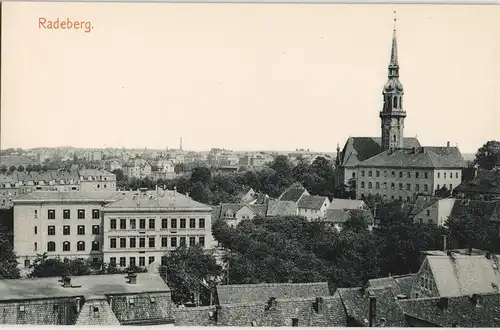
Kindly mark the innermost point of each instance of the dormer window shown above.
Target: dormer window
(22, 308)
(131, 301)
(152, 300)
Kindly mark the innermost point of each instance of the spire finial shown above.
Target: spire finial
(395, 20)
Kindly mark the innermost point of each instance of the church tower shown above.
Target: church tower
(393, 114)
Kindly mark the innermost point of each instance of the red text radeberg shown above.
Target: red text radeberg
(64, 24)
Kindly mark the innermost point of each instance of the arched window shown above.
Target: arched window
(394, 138)
(66, 246)
(80, 246)
(401, 102)
(51, 246)
(95, 246)
(395, 102)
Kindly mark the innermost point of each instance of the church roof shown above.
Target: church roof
(358, 149)
(424, 157)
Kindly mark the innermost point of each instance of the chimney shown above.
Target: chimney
(414, 150)
(448, 144)
(372, 311)
(132, 278)
(445, 248)
(66, 281)
(78, 304)
(443, 303)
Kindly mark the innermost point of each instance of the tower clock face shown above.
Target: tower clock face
(394, 121)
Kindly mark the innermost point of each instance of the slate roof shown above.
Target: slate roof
(349, 204)
(244, 293)
(387, 309)
(459, 275)
(405, 283)
(293, 193)
(311, 202)
(341, 216)
(422, 203)
(48, 196)
(485, 182)
(281, 208)
(424, 157)
(152, 201)
(461, 312)
(51, 287)
(358, 149)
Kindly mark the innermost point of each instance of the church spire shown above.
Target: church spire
(394, 65)
(393, 114)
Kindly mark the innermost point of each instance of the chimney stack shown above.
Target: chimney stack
(448, 144)
(132, 278)
(372, 311)
(66, 281)
(443, 303)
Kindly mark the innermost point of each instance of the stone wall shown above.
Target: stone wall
(194, 316)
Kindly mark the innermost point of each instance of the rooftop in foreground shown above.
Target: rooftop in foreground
(52, 287)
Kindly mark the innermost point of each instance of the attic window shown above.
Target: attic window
(96, 309)
(152, 300)
(131, 301)
(21, 308)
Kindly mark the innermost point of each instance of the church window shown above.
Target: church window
(395, 102)
(400, 102)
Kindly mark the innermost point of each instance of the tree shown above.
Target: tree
(443, 192)
(357, 221)
(50, 267)
(120, 177)
(201, 175)
(179, 168)
(488, 156)
(186, 268)
(3, 169)
(20, 168)
(12, 169)
(8, 262)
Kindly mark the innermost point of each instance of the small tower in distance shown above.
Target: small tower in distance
(393, 114)
(180, 147)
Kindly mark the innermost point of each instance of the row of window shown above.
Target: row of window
(132, 261)
(66, 246)
(400, 198)
(408, 174)
(132, 224)
(66, 214)
(141, 243)
(400, 186)
(66, 230)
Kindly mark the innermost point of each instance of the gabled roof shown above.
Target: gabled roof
(346, 204)
(459, 275)
(311, 202)
(152, 201)
(422, 203)
(358, 149)
(293, 193)
(281, 208)
(244, 293)
(461, 312)
(69, 196)
(424, 157)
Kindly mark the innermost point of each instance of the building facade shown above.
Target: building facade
(125, 228)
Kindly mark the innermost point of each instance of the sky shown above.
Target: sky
(245, 76)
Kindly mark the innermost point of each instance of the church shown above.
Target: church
(393, 166)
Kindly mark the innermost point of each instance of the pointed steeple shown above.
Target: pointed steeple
(394, 65)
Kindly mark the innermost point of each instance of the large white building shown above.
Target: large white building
(128, 228)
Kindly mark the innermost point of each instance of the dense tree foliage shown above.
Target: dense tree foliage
(187, 270)
(488, 156)
(8, 262)
(49, 267)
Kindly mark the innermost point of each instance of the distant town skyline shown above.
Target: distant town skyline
(245, 77)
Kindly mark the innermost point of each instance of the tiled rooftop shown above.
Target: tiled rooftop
(46, 196)
(311, 202)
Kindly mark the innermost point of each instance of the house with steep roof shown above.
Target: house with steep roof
(313, 207)
(393, 166)
(133, 299)
(234, 213)
(294, 193)
(432, 210)
(340, 210)
(452, 274)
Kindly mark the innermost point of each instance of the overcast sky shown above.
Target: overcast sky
(273, 77)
